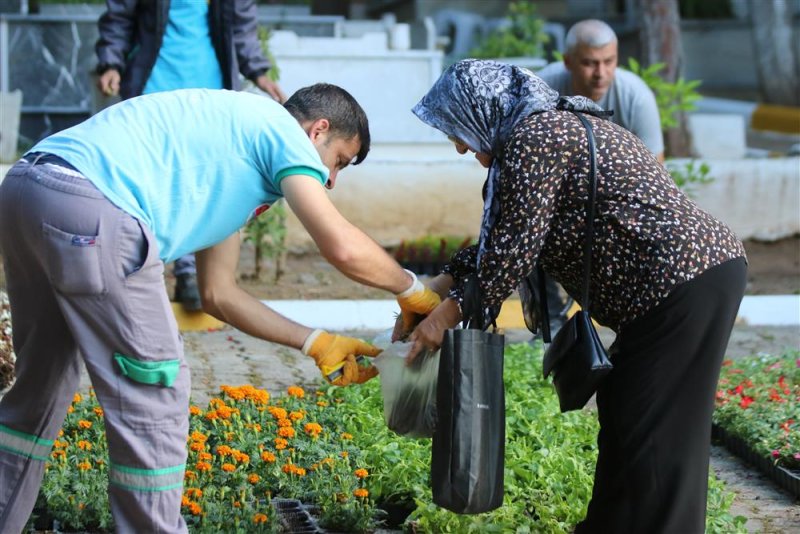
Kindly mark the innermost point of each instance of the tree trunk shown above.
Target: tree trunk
(778, 64)
(660, 39)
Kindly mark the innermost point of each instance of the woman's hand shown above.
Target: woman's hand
(429, 333)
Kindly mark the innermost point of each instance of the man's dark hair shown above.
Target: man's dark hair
(326, 101)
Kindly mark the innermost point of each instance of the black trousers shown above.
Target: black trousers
(655, 410)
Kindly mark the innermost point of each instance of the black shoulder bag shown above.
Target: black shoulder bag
(576, 357)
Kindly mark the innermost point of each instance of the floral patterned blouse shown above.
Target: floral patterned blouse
(649, 237)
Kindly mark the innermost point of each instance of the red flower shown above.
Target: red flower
(746, 402)
(726, 363)
(774, 395)
(738, 389)
(776, 453)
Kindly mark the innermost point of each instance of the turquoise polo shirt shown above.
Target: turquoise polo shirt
(192, 164)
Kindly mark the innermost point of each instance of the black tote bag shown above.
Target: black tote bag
(469, 440)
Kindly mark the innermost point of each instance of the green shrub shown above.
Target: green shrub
(524, 37)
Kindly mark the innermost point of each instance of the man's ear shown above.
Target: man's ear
(568, 61)
(317, 128)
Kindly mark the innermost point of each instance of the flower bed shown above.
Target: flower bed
(331, 449)
(757, 415)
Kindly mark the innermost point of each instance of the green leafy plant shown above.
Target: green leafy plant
(757, 401)
(689, 175)
(431, 248)
(274, 72)
(523, 37)
(267, 232)
(671, 98)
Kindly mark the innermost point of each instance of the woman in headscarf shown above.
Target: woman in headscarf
(666, 277)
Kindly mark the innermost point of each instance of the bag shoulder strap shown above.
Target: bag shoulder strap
(587, 245)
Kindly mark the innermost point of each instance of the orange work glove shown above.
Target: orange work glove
(336, 357)
(415, 301)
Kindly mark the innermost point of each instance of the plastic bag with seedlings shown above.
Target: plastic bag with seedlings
(409, 391)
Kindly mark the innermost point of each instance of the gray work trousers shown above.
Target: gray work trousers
(85, 280)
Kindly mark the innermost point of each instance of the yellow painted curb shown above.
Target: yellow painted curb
(194, 321)
(511, 315)
(783, 119)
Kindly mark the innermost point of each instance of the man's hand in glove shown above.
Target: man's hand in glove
(414, 302)
(336, 357)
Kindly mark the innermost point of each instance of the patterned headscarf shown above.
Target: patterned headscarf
(480, 102)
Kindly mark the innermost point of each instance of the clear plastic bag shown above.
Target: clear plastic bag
(409, 392)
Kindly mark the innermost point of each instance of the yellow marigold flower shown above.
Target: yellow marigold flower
(197, 446)
(84, 445)
(61, 433)
(344, 454)
(228, 468)
(301, 472)
(361, 493)
(84, 466)
(198, 436)
(345, 435)
(195, 410)
(277, 413)
(295, 391)
(203, 466)
(70, 409)
(281, 443)
(268, 457)
(313, 429)
(205, 456)
(286, 432)
(361, 473)
(296, 416)
(98, 411)
(195, 509)
(253, 478)
(284, 422)
(322, 404)
(260, 518)
(77, 398)
(84, 424)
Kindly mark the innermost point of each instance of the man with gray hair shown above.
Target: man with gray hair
(590, 69)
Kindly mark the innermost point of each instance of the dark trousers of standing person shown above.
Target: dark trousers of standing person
(655, 409)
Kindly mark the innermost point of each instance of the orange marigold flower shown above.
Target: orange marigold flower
(313, 429)
(203, 466)
(301, 472)
(77, 398)
(61, 433)
(322, 404)
(205, 456)
(361, 493)
(345, 435)
(268, 457)
(194, 492)
(185, 501)
(344, 454)
(60, 444)
(281, 443)
(228, 468)
(361, 473)
(232, 392)
(260, 518)
(197, 446)
(225, 412)
(277, 413)
(190, 475)
(216, 402)
(284, 422)
(237, 504)
(295, 391)
(256, 427)
(58, 454)
(98, 411)
(70, 409)
(195, 508)
(224, 450)
(212, 415)
(84, 466)
(84, 445)
(195, 410)
(198, 436)
(253, 478)
(296, 416)
(286, 432)
(84, 424)
(320, 393)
